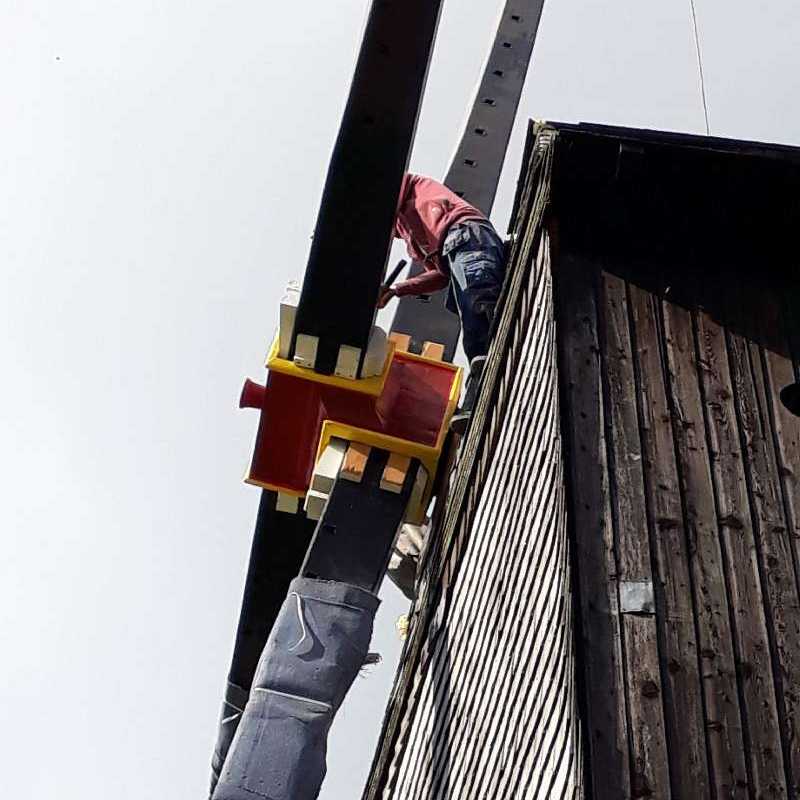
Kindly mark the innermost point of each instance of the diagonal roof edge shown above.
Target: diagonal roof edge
(684, 140)
(463, 486)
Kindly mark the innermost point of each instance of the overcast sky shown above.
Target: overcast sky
(161, 165)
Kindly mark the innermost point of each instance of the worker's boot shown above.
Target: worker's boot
(461, 418)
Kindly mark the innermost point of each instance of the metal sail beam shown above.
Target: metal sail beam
(474, 172)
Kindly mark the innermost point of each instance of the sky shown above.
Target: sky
(161, 166)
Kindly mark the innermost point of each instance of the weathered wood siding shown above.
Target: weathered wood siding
(683, 473)
(665, 494)
(485, 705)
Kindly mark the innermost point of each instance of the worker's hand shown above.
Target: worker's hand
(387, 293)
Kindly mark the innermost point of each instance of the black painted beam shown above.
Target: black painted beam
(354, 538)
(353, 231)
(280, 542)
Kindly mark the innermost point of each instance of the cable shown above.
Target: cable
(700, 66)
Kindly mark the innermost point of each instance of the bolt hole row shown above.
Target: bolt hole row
(489, 101)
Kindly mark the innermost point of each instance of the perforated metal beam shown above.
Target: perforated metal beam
(474, 173)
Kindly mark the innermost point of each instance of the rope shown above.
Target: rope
(700, 66)
(302, 621)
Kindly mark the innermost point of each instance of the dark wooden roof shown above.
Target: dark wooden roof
(708, 222)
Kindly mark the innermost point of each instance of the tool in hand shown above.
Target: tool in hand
(392, 276)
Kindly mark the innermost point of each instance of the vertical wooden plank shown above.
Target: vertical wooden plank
(777, 371)
(776, 561)
(603, 687)
(720, 693)
(754, 672)
(650, 775)
(683, 700)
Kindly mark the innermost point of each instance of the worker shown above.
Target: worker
(455, 244)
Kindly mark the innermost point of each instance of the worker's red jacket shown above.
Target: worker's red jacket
(425, 213)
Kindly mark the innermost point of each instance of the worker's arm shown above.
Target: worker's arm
(426, 283)
(429, 281)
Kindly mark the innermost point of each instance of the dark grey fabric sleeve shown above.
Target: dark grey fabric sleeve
(319, 642)
(232, 709)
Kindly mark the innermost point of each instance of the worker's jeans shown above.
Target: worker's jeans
(475, 255)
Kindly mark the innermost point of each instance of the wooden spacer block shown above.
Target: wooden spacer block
(288, 503)
(315, 504)
(347, 361)
(327, 468)
(433, 350)
(416, 513)
(402, 625)
(402, 341)
(394, 473)
(305, 350)
(288, 311)
(377, 350)
(355, 461)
